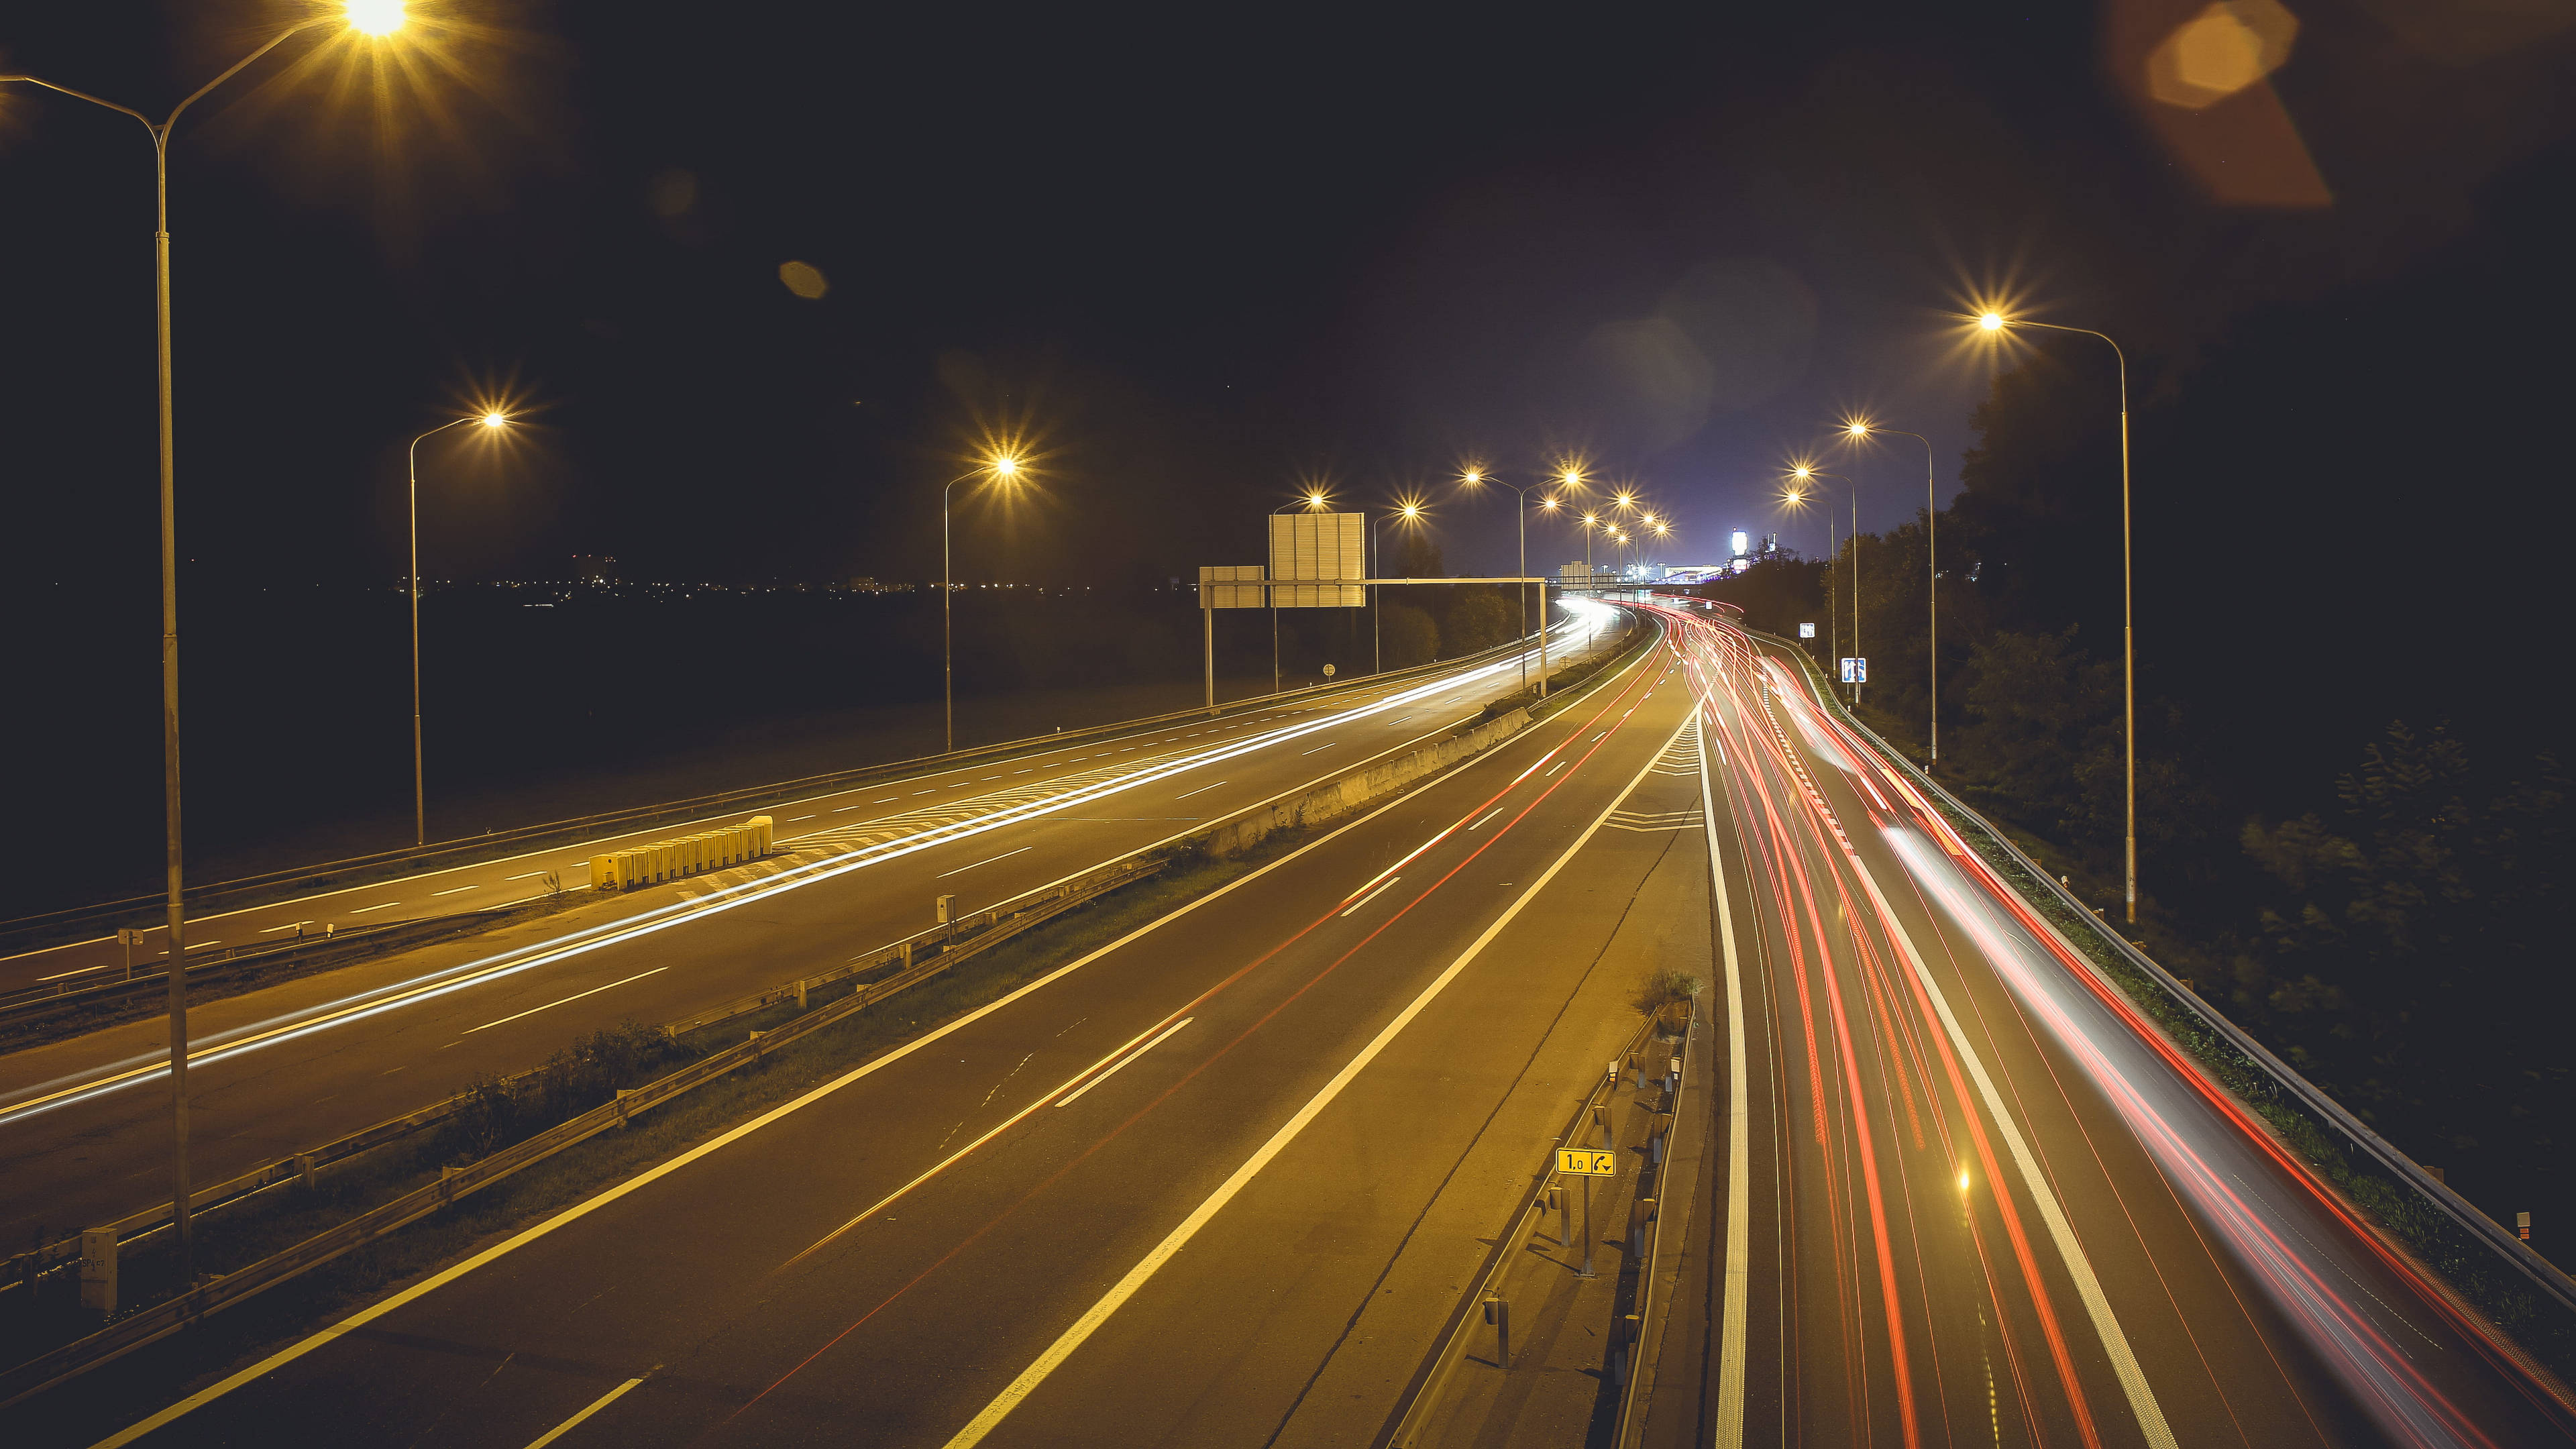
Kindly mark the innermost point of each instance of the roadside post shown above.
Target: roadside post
(1586, 1163)
(125, 939)
(1498, 1312)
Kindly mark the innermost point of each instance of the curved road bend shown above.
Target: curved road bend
(892, 803)
(1984, 1205)
(84, 1124)
(1324, 1077)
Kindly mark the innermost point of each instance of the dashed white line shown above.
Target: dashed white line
(378, 906)
(531, 875)
(456, 890)
(961, 870)
(1372, 895)
(1131, 1056)
(1319, 748)
(576, 996)
(1497, 810)
(1203, 789)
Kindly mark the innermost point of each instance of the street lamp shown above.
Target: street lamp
(1857, 430)
(1475, 477)
(1001, 466)
(375, 18)
(1993, 322)
(491, 420)
(1411, 513)
(1805, 473)
(1314, 501)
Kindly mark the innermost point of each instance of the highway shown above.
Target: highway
(1225, 1181)
(84, 1123)
(911, 802)
(1216, 1184)
(1980, 1201)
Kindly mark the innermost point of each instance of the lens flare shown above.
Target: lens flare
(374, 17)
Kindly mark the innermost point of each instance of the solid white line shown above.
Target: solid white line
(603, 1401)
(573, 1214)
(1381, 890)
(1005, 855)
(1122, 1066)
(576, 996)
(1739, 1148)
(1203, 789)
(1110, 1302)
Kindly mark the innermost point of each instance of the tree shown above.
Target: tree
(1408, 636)
(1480, 619)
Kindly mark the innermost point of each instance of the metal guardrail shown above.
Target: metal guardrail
(916, 958)
(1422, 1396)
(2539, 1272)
(1632, 1396)
(144, 911)
(159, 1320)
(36, 1002)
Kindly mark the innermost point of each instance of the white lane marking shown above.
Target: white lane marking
(1203, 789)
(576, 996)
(147, 1068)
(1596, 739)
(264, 930)
(1319, 749)
(2097, 1306)
(1739, 1147)
(602, 1402)
(531, 875)
(931, 791)
(1122, 1066)
(1499, 809)
(890, 799)
(792, 819)
(201, 945)
(1110, 1302)
(961, 870)
(456, 890)
(1552, 769)
(577, 1211)
(1372, 895)
(378, 906)
(83, 971)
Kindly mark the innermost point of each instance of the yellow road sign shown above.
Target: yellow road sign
(1585, 1161)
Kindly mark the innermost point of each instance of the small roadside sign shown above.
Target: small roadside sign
(1806, 631)
(1585, 1161)
(1328, 671)
(1855, 671)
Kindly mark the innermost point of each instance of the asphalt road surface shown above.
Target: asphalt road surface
(1981, 1202)
(84, 1123)
(1217, 1184)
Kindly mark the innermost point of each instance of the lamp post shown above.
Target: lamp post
(1312, 502)
(1858, 429)
(1475, 477)
(1410, 513)
(1995, 322)
(1002, 468)
(419, 794)
(1803, 473)
(375, 18)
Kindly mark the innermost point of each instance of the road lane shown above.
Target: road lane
(506, 881)
(343, 1050)
(773, 1317)
(1985, 1204)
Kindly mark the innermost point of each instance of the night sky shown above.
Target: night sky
(1197, 261)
